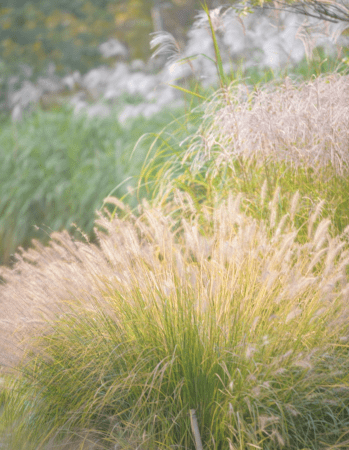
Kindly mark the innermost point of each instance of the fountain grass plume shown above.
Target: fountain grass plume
(215, 312)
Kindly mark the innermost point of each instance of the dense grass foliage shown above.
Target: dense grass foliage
(56, 169)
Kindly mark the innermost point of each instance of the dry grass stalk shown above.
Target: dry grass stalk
(304, 125)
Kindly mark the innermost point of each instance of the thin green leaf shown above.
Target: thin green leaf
(219, 63)
(186, 90)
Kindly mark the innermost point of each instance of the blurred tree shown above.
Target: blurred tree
(36, 33)
(69, 32)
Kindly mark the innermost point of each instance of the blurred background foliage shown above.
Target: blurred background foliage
(68, 32)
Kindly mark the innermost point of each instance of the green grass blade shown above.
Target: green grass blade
(187, 91)
(219, 63)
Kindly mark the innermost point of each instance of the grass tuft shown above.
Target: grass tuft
(242, 324)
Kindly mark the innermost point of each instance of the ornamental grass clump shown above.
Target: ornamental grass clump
(287, 136)
(216, 312)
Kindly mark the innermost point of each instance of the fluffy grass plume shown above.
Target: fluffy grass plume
(218, 313)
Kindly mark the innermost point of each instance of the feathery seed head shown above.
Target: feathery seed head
(167, 46)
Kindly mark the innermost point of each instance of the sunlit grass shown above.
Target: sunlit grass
(283, 136)
(240, 323)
